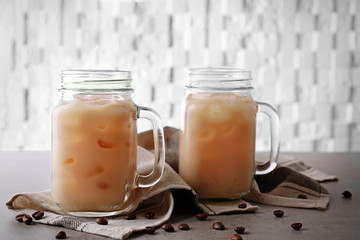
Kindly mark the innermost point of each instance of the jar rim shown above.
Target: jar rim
(219, 78)
(95, 80)
(233, 73)
(96, 74)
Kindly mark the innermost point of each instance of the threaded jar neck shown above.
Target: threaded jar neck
(95, 81)
(218, 79)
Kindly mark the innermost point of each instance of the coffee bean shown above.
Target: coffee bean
(296, 226)
(27, 219)
(38, 215)
(61, 235)
(302, 196)
(150, 230)
(19, 217)
(347, 194)
(218, 226)
(184, 227)
(168, 228)
(130, 216)
(150, 215)
(102, 221)
(236, 237)
(201, 216)
(278, 213)
(242, 205)
(239, 229)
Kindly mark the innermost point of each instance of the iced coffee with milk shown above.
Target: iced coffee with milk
(94, 165)
(93, 153)
(217, 144)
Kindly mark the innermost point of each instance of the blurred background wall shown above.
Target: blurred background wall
(304, 56)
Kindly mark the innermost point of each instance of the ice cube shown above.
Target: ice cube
(206, 135)
(69, 161)
(70, 121)
(95, 171)
(104, 144)
(101, 124)
(71, 138)
(215, 109)
(103, 185)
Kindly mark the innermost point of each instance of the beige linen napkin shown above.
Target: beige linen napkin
(298, 166)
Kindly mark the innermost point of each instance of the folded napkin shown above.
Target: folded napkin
(294, 164)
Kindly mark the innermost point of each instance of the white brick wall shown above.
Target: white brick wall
(304, 56)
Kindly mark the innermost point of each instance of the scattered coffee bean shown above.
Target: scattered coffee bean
(347, 194)
(184, 227)
(239, 229)
(19, 217)
(302, 196)
(27, 219)
(61, 235)
(150, 215)
(278, 213)
(236, 237)
(102, 221)
(218, 226)
(150, 230)
(168, 227)
(201, 216)
(296, 226)
(38, 215)
(130, 216)
(242, 205)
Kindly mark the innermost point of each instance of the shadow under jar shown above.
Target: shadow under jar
(218, 131)
(94, 144)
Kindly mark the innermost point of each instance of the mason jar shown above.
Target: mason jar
(218, 133)
(94, 143)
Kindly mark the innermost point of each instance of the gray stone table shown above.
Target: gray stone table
(30, 171)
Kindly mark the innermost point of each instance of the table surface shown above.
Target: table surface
(30, 171)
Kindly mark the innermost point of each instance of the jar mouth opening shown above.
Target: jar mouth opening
(221, 78)
(233, 73)
(90, 80)
(97, 74)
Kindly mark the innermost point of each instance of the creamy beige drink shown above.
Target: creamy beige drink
(217, 144)
(93, 153)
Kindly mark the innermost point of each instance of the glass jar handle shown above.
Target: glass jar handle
(270, 165)
(159, 147)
